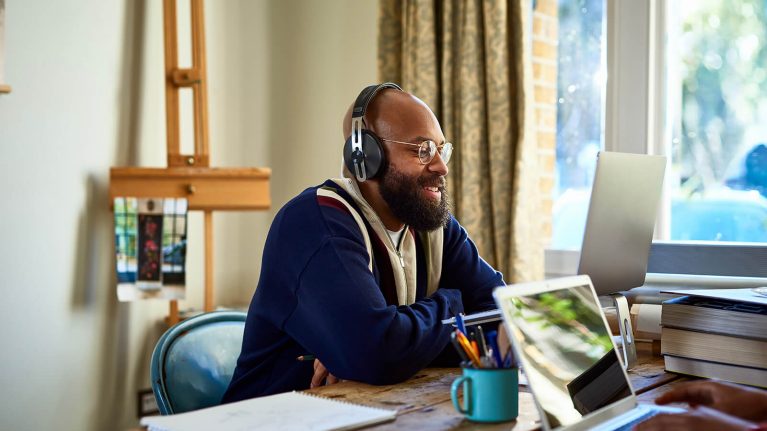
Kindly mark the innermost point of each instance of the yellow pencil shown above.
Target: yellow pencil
(475, 346)
(473, 357)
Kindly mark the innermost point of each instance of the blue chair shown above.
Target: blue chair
(193, 362)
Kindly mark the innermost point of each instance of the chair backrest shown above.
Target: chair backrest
(193, 362)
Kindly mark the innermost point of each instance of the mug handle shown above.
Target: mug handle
(466, 397)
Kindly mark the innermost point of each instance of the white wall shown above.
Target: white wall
(87, 95)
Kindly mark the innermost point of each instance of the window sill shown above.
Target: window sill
(708, 264)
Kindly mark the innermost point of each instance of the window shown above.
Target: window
(580, 116)
(716, 72)
(687, 79)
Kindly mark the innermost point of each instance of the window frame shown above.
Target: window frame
(635, 48)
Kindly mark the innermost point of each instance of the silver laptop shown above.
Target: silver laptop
(619, 227)
(624, 203)
(565, 348)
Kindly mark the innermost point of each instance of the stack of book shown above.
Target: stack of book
(716, 335)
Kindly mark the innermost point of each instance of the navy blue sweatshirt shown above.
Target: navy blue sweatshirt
(316, 295)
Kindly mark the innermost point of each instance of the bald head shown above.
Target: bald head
(392, 114)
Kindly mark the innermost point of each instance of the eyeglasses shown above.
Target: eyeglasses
(427, 149)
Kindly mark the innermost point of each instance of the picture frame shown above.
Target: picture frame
(150, 247)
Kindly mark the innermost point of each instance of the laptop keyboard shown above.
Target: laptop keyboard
(628, 426)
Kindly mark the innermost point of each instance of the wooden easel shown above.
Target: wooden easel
(190, 175)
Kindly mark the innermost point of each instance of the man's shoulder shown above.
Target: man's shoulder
(326, 206)
(454, 233)
(453, 226)
(327, 194)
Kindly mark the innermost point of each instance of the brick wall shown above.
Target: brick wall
(545, 33)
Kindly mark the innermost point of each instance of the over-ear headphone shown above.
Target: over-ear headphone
(363, 151)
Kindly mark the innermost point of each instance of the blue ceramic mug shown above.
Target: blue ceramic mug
(489, 394)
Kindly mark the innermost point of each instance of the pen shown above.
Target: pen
(304, 358)
(460, 324)
(492, 338)
(467, 348)
(480, 336)
(508, 362)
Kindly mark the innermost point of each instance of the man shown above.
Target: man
(360, 274)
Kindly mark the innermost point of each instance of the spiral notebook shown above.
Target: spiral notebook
(282, 412)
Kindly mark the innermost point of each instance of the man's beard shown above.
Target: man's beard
(405, 198)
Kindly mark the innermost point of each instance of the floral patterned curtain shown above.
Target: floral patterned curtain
(469, 60)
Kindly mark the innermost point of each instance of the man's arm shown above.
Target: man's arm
(465, 270)
(342, 317)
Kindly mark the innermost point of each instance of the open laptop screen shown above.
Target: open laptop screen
(566, 350)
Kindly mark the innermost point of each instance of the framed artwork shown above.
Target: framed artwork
(150, 247)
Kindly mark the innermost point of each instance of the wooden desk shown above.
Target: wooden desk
(423, 402)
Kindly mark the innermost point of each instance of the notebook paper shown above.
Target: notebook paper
(282, 412)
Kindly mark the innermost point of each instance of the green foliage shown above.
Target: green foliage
(723, 71)
(574, 317)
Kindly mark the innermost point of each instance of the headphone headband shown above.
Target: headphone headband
(363, 153)
(366, 95)
(360, 106)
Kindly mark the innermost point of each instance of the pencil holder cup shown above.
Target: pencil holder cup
(489, 394)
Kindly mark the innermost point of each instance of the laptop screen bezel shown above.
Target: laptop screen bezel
(504, 293)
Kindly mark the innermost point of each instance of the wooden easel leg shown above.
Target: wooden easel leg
(173, 317)
(208, 261)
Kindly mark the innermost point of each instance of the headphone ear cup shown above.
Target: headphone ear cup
(372, 154)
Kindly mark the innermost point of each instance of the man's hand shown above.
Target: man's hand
(699, 419)
(735, 400)
(321, 375)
